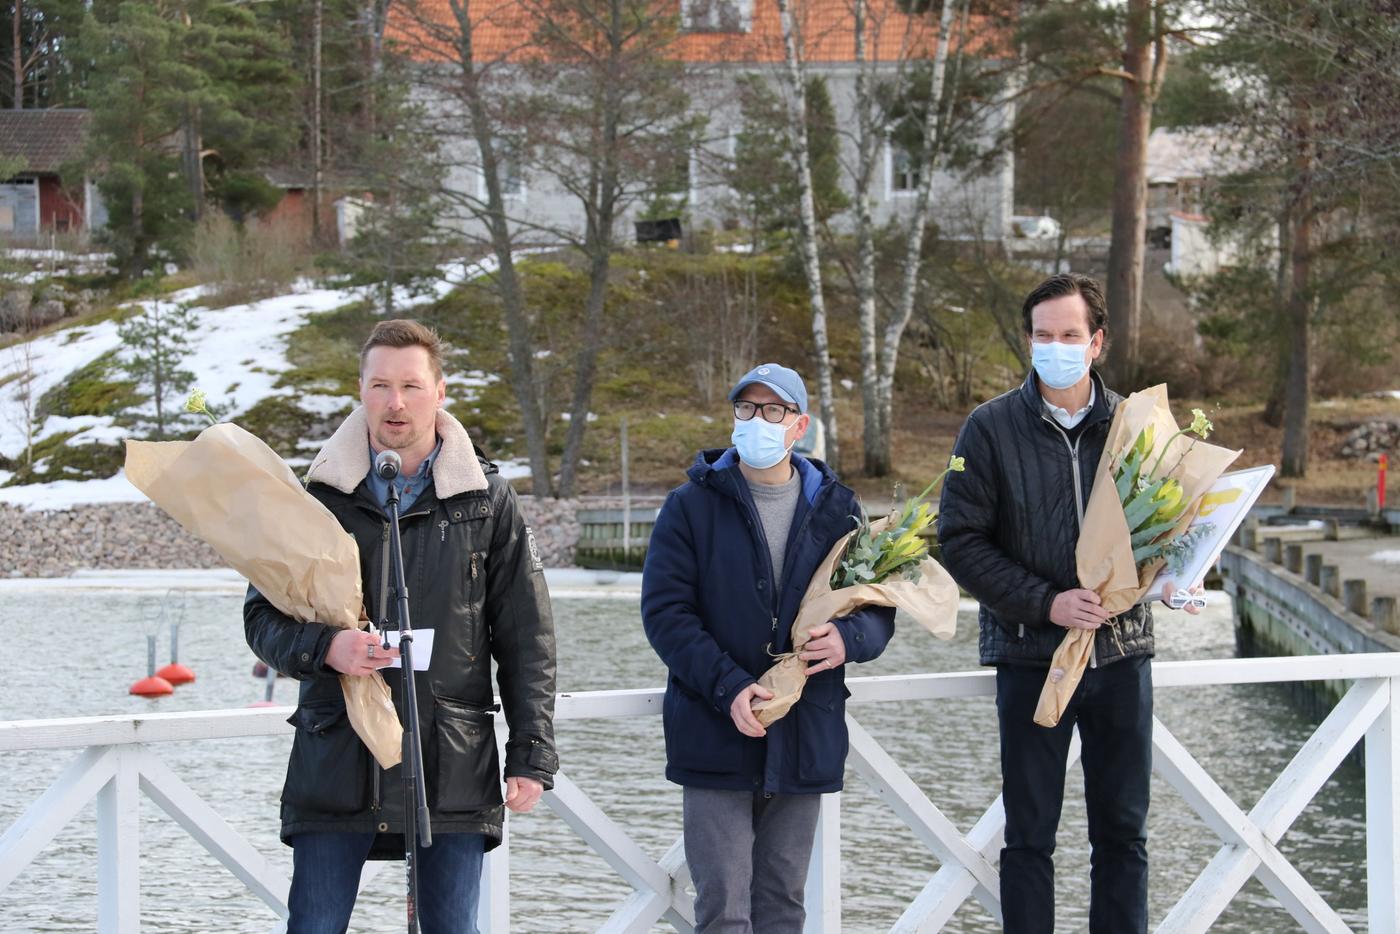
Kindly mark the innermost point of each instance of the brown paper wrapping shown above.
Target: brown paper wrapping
(234, 492)
(1104, 554)
(932, 601)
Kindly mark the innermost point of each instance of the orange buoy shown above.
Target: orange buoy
(176, 674)
(154, 686)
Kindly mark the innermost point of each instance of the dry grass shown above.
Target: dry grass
(247, 263)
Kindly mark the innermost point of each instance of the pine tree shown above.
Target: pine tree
(168, 86)
(764, 176)
(157, 340)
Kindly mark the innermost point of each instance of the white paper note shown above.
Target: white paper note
(422, 648)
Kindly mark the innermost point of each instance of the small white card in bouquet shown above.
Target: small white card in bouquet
(1223, 509)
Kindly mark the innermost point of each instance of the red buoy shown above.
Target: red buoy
(176, 674)
(154, 686)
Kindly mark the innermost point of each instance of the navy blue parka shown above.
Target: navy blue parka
(713, 614)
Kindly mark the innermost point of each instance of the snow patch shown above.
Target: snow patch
(237, 354)
(1386, 557)
(513, 470)
(65, 494)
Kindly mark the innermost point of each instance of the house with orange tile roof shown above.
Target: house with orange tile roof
(720, 43)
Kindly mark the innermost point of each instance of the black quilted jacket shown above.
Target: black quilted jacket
(1008, 525)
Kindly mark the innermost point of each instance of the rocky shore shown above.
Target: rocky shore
(113, 536)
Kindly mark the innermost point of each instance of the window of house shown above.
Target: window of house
(717, 15)
(511, 174)
(904, 170)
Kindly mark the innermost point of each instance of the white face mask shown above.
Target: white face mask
(1058, 365)
(760, 443)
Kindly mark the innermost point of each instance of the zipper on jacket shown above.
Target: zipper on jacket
(383, 621)
(755, 522)
(1078, 505)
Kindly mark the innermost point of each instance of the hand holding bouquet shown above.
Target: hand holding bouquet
(1144, 497)
(231, 490)
(881, 563)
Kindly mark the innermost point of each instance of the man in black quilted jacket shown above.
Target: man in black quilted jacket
(1008, 527)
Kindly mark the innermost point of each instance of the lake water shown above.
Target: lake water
(77, 653)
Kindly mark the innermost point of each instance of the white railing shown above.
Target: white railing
(119, 761)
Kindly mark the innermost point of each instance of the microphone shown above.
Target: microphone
(387, 464)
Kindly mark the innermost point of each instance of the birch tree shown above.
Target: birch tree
(935, 119)
(795, 73)
(880, 340)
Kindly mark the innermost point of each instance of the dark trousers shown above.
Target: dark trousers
(326, 878)
(1113, 709)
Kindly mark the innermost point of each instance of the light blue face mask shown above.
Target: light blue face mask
(1058, 365)
(760, 443)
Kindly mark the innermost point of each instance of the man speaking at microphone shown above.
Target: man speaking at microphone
(475, 579)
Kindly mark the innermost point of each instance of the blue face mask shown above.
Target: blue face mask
(760, 443)
(1059, 366)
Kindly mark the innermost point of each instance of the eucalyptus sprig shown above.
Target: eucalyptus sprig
(897, 551)
(1152, 504)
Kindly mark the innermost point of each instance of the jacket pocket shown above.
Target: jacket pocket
(698, 738)
(329, 767)
(822, 738)
(468, 773)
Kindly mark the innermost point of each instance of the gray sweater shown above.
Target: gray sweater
(777, 505)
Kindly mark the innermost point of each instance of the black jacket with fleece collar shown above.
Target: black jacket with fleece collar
(473, 576)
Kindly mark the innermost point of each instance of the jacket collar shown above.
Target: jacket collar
(344, 461)
(708, 465)
(1104, 401)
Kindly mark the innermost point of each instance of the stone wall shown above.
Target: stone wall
(138, 535)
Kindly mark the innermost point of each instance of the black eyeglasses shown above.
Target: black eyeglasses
(773, 412)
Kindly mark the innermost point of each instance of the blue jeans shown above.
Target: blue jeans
(326, 878)
(1113, 709)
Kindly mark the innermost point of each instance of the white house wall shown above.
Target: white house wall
(962, 206)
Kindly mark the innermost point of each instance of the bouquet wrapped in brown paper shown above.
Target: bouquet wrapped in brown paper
(1145, 495)
(881, 563)
(232, 491)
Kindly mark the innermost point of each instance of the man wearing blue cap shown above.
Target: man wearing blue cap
(730, 557)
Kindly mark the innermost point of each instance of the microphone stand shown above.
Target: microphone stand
(417, 828)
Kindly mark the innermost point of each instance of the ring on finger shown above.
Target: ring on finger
(369, 650)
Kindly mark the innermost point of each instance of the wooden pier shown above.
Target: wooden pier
(1314, 588)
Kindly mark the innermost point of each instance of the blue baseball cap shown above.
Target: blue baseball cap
(783, 381)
